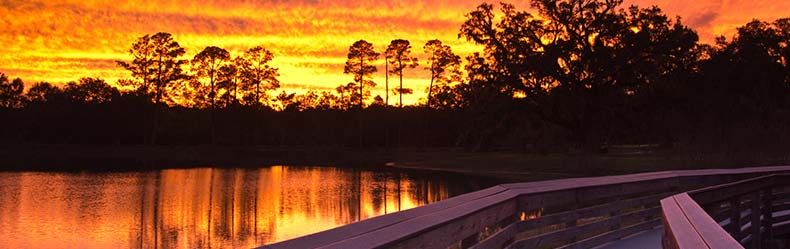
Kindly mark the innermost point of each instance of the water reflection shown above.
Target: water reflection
(202, 208)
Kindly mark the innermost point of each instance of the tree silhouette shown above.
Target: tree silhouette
(747, 78)
(286, 101)
(258, 76)
(328, 101)
(141, 65)
(43, 92)
(10, 92)
(229, 77)
(158, 70)
(441, 59)
(307, 101)
(386, 78)
(347, 95)
(399, 55)
(167, 66)
(378, 101)
(207, 64)
(156, 65)
(582, 59)
(361, 56)
(90, 90)
(448, 97)
(573, 72)
(400, 91)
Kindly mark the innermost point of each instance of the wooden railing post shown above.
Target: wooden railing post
(756, 223)
(768, 210)
(615, 225)
(735, 218)
(573, 223)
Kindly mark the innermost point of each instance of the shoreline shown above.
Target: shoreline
(508, 166)
(51, 157)
(501, 174)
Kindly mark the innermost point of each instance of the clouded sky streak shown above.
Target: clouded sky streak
(63, 40)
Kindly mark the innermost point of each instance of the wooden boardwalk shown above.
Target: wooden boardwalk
(742, 214)
(649, 239)
(566, 213)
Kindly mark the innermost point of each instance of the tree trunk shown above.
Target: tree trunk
(386, 83)
(433, 76)
(212, 115)
(430, 90)
(400, 90)
(155, 121)
(258, 92)
(212, 124)
(157, 99)
(361, 80)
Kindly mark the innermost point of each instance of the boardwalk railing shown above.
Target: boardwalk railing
(746, 213)
(567, 213)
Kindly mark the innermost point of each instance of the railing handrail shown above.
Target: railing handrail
(688, 225)
(390, 229)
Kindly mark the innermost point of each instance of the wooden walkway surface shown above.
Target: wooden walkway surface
(565, 213)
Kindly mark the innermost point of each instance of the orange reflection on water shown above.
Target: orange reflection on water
(201, 208)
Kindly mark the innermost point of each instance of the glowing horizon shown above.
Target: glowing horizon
(63, 40)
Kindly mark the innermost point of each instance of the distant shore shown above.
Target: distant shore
(506, 165)
(142, 157)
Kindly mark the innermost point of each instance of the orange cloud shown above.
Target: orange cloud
(713, 18)
(63, 40)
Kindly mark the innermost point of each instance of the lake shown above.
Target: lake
(205, 207)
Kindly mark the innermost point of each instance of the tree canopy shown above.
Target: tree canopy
(10, 92)
(443, 65)
(577, 61)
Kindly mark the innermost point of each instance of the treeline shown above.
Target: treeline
(576, 75)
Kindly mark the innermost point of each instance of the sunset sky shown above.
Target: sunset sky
(63, 40)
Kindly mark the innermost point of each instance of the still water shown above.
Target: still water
(205, 207)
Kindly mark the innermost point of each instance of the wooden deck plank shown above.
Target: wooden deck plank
(564, 236)
(613, 235)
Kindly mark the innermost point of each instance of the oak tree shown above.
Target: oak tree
(577, 62)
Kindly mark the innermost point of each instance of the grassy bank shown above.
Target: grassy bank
(551, 166)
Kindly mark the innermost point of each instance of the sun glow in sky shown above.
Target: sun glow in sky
(63, 40)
